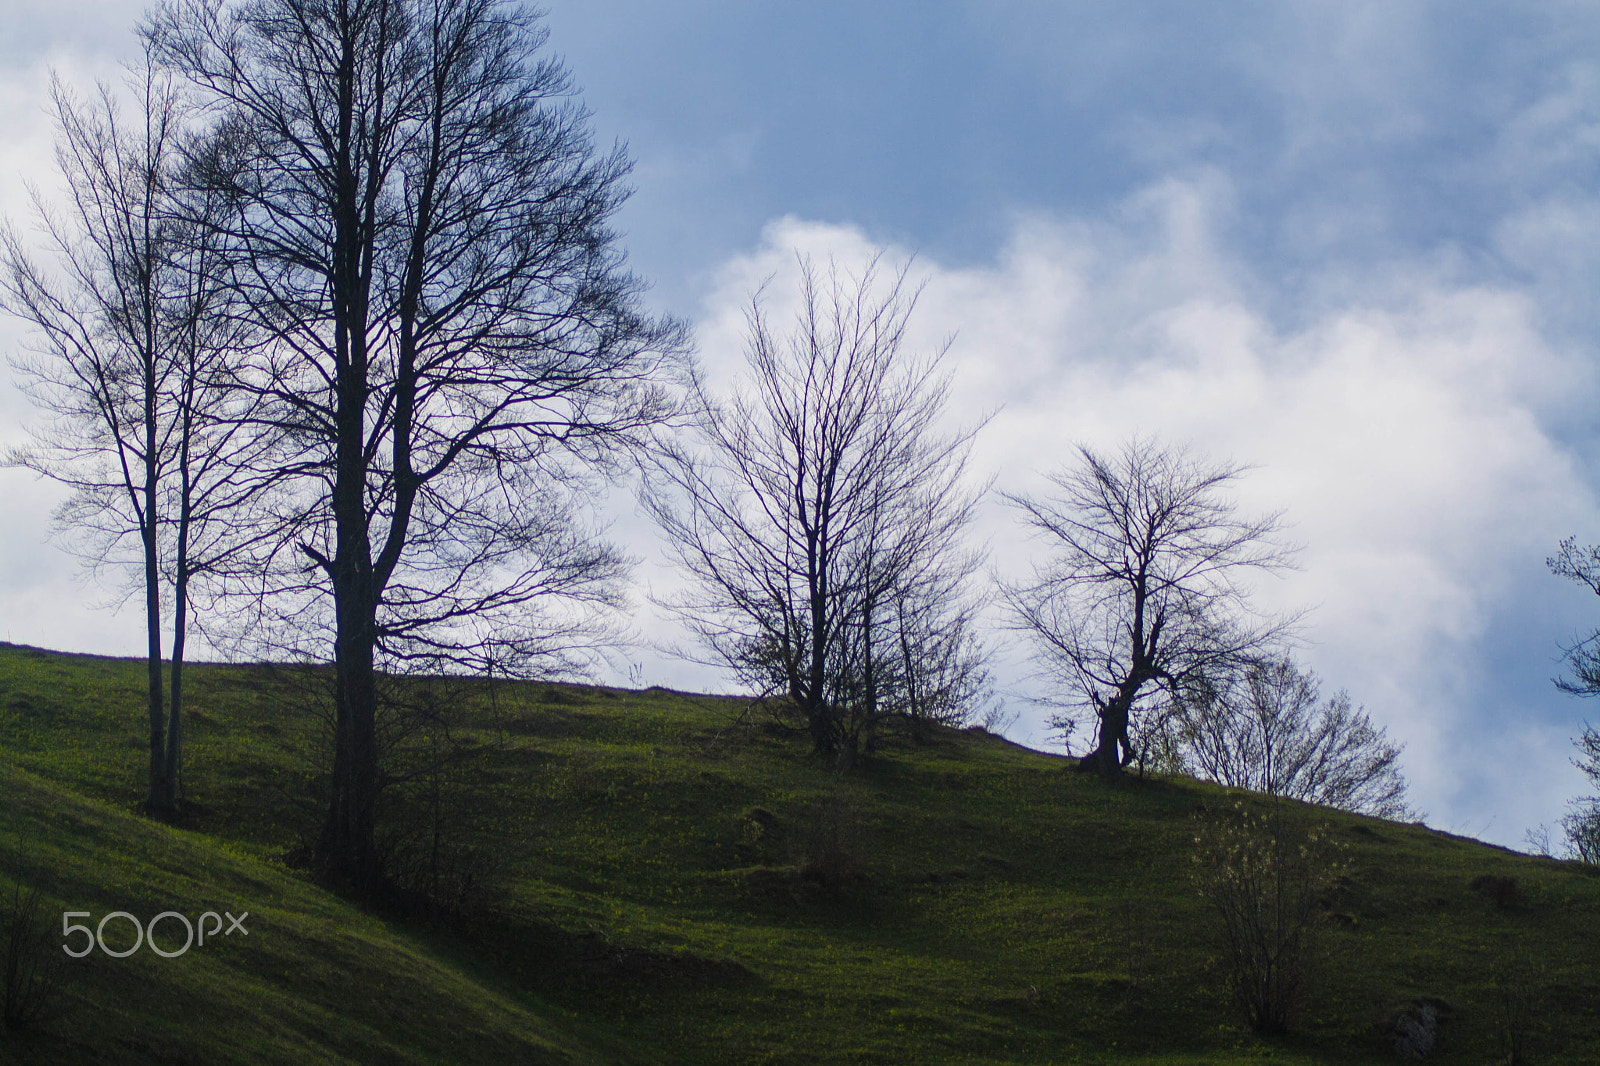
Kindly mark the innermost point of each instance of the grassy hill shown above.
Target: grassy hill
(649, 877)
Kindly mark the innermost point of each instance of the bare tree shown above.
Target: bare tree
(1142, 593)
(129, 366)
(1267, 728)
(454, 356)
(1582, 821)
(822, 515)
(1583, 657)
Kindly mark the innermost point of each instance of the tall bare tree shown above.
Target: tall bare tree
(1142, 592)
(1267, 728)
(455, 353)
(129, 366)
(821, 511)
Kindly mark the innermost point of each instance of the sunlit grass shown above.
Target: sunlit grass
(642, 852)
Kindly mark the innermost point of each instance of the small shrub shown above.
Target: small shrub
(759, 833)
(757, 826)
(1503, 892)
(32, 966)
(1263, 878)
(438, 879)
(1414, 1031)
(1520, 999)
(434, 840)
(833, 843)
(1134, 921)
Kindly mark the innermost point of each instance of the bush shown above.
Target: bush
(436, 811)
(30, 964)
(1263, 877)
(1503, 892)
(833, 842)
(1520, 991)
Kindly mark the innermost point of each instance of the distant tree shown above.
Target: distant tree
(1582, 821)
(1142, 593)
(1266, 728)
(453, 356)
(129, 364)
(821, 514)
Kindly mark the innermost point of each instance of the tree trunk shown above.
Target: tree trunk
(820, 713)
(819, 719)
(172, 781)
(152, 615)
(347, 851)
(180, 592)
(157, 708)
(1106, 758)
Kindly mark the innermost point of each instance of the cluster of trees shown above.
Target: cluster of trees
(1582, 822)
(134, 332)
(1267, 728)
(336, 337)
(822, 515)
(820, 512)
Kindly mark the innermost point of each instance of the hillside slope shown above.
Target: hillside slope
(303, 978)
(660, 877)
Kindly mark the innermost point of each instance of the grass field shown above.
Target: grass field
(636, 874)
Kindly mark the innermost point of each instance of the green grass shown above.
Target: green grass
(640, 899)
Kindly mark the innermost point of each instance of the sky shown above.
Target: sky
(1353, 245)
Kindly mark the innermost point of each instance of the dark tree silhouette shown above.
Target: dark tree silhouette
(820, 513)
(129, 365)
(1142, 591)
(454, 355)
(1582, 821)
(1583, 657)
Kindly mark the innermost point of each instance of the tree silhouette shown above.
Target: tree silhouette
(1142, 590)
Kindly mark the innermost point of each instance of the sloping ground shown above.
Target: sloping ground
(305, 978)
(659, 877)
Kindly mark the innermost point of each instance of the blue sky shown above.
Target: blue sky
(1353, 244)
